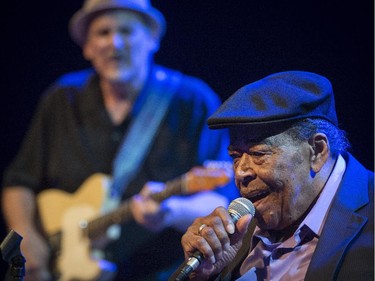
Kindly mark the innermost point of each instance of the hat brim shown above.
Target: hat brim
(222, 123)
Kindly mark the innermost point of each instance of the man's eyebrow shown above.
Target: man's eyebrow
(251, 142)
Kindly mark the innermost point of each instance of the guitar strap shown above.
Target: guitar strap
(143, 129)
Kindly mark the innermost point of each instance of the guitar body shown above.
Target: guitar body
(69, 214)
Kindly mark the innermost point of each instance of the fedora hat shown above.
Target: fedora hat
(79, 22)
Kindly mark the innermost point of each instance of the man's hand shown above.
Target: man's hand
(36, 252)
(147, 211)
(217, 238)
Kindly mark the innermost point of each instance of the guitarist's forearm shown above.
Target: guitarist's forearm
(18, 205)
(183, 210)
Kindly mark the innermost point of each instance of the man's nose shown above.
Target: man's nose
(118, 40)
(244, 168)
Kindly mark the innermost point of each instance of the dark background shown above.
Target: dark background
(226, 43)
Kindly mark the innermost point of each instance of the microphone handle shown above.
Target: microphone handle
(191, 264)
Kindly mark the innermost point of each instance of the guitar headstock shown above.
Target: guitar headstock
(209, 176)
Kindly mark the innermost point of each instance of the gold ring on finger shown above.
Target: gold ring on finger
(201, 228)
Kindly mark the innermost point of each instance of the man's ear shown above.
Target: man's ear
(319, 151)
(154, 43)
(86, 52)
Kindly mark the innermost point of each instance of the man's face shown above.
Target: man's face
(119, 45)
(274, 173)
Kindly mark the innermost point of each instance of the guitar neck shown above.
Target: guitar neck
(123, 214)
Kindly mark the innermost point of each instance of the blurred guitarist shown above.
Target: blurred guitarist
(128, 118)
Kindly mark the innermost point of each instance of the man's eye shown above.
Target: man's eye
(234, 156)
(257, 153)
(125, 31)
(102, 32)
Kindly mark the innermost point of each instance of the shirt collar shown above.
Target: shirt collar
(316, 217)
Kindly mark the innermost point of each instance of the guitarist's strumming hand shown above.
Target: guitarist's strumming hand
(36, 251)
(146, 211)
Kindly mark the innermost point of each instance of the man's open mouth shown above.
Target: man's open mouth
(258, 196)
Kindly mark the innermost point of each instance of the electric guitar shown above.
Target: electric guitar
(72, 220)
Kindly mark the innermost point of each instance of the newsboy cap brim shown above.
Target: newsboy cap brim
(277, 99)
(79, 22)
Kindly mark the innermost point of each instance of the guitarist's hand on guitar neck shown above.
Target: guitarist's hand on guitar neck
(146, 211)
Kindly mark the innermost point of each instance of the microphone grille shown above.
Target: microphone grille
(240, 207)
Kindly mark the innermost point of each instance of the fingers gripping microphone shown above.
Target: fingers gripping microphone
(237, 208)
